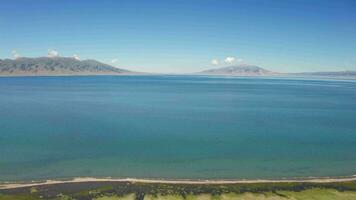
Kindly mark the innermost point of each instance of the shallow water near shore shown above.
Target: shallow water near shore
(178, 127)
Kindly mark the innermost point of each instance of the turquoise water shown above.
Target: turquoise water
(176, 127)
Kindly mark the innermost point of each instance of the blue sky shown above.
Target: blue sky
(185, 36)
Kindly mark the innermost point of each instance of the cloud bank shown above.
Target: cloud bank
(215, 62)
(229, 60)
(15, 54)
(76, 56)
(52, 53)
(113, 61)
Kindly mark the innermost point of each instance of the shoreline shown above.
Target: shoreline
(14, 185)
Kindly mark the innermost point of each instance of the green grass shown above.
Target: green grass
(320, 194)
(115, 197)
(311, 194)
(18, 197)
(147, 191)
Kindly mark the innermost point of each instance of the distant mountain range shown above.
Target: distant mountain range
(239, 70)
(56, 66)
(253, 70)
(331, 74)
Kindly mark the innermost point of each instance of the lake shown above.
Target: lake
(179, 127)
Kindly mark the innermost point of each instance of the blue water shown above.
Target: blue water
(176, 127)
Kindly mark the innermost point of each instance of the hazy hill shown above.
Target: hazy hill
(345, 74)
(70, 66)
(253, 70)
(56, 66)
(239, 70)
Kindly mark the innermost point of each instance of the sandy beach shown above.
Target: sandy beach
(8, 185)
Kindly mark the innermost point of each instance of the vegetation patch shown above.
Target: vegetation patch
(162, 191)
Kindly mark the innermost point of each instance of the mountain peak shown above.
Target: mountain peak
(239, 70)
(56, 66)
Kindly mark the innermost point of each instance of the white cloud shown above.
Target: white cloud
(229, 60)
(15, 54)
(215, 62)
(76, 56)
(52, 53)
(113, 61)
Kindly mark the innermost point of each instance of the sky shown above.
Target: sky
(179, 36)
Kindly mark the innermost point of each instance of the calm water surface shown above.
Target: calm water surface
(176, 127)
